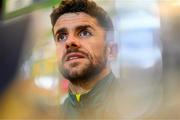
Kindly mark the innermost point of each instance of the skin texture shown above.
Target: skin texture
(82, 50)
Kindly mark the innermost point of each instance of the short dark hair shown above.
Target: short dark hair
(86, 6)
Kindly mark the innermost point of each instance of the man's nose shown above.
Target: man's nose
(72, 41)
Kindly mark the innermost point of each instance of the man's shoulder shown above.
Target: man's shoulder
(65, 107)
(65, 102)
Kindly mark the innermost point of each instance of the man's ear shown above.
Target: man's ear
(112, 51)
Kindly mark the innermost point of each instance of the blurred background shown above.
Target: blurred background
(147, 34)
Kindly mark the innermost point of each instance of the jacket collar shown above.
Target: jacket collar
(96, 95)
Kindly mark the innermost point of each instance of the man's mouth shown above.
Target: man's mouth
(73, 56)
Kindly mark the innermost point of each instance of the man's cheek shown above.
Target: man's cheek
(59, 59)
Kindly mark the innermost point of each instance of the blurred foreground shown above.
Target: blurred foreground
(147, 64)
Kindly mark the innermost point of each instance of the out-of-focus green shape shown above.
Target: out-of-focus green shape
(36, 4)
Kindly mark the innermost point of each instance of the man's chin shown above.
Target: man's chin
(75, 77)
(78, 74)
(75, 72)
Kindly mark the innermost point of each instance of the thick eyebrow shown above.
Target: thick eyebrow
(81, 27)
(61, 30)
(84, 27)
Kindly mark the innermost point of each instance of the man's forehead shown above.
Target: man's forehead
(73, 20)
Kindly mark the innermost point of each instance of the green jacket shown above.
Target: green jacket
(94, 104)
(110, 99)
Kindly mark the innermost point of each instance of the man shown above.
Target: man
(83, 32)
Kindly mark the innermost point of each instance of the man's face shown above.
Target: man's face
(81, 46)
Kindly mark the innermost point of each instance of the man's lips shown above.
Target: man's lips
(74, 55)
